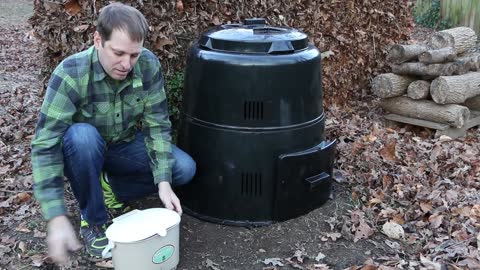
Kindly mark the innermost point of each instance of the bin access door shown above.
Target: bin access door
(304, 180)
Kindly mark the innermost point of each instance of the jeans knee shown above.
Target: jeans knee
(186, 171)
(83, 136)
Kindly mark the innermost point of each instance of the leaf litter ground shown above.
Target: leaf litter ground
(402, 200)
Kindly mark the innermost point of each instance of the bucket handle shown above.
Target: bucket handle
(107, 251)
(134, 211)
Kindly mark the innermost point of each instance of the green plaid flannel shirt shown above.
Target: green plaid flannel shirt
(79, 91)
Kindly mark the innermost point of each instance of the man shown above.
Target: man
(88, 131)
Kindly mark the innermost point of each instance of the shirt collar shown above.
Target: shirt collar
(98, 72)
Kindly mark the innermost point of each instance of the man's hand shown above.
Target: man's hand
(61, 239)
(168, 197)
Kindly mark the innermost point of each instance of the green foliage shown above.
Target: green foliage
(427, 13)
(174, 89)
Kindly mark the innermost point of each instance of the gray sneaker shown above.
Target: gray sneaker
(94, 238)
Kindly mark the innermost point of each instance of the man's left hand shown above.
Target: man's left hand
(168, 197)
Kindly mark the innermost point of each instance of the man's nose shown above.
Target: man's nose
(126, 63)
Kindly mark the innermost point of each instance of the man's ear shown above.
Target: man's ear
(97, 40)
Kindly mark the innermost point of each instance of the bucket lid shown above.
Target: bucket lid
(254, 36)
(138, 225)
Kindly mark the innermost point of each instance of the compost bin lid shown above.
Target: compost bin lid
(254, 36)
(138, 225)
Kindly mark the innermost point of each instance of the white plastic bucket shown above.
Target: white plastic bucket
(145, 240)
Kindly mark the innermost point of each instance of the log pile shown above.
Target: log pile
(438, 81)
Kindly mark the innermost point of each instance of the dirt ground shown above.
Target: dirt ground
(203, 245)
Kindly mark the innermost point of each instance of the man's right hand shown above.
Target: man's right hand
(61, 239)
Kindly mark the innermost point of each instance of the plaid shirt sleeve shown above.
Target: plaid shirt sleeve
(157, 127)
(47, 156)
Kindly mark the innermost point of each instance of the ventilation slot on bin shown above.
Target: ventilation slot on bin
(253, 110)
(251, 184)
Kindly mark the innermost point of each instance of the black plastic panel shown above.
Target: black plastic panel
(303, 180)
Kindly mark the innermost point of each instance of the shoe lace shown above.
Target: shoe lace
(96, 231)
(99, 230)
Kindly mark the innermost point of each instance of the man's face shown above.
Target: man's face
(117, 55)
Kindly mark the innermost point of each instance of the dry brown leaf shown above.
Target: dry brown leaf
(72, 7)
(435, 220)
(364, 231)
(398, 219)
(216, 21)
(273, 261)
(161, 42)
(81, 28)
(369, 267)
(23, 197)
(22, 246)
(298, 256)
(426, 206)
(388, 152)
(39, 234)
(370, 138)
(37, 260)
(470, 263)
(429, 263)
(108, 264)
(179, 6)
(319, 266)
(211, 265)
(393, 230)
(334, 236)
(475, 211)
(374, 201)
(387, 181)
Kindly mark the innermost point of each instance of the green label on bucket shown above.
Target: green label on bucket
(163, 254)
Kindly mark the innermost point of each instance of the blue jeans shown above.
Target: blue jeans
(86, 154)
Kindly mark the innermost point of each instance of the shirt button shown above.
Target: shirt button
(118, 115)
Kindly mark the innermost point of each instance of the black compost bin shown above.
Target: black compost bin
(253, 121)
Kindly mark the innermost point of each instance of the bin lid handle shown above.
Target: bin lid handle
(281, 46)
(253, 21)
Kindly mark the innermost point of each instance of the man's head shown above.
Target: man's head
(121, 31)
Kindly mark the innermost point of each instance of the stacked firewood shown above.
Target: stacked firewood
(437, 81)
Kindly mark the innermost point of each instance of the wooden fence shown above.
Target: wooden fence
(462, 13)
(458, 12)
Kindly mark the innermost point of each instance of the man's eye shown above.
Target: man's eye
(118, 53)
(134, 55)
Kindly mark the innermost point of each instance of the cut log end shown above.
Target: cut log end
(439, 90)
(461, 39)
(419, 90)
(455, 89)
(390, 85)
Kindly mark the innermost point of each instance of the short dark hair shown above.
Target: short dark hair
(118, 16)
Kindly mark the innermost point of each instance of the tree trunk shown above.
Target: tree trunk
(437, 56)
(419, 90)
(432, 70)
(390, 85)
(472, 61)
(401, 53)
(473, 103)
(455, 89)
(461, 39)
(451, 114)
